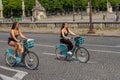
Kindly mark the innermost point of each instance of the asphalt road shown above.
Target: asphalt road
(104, 63)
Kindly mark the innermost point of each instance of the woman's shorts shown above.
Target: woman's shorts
(10, 39)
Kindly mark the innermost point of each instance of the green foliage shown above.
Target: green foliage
(14, 7)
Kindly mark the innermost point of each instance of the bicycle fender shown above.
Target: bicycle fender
(63, 48)
(10, 51)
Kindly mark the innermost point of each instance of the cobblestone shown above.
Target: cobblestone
(102, 66)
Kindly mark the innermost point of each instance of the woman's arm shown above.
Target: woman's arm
(72, 33)
(21, 35)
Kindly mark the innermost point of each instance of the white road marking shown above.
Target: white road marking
(117, 46)
(52, 54)
(91, 62)
(3, 77)
(103, 51)
(3, 41)
(49, 53)
(18, 76)
(87, 49)
(44, 45)
(101, 45)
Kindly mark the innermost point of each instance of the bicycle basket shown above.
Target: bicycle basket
(79, 40)
(29, 43)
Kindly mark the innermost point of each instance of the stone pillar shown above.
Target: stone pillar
(23, 9)
(1, 9)
(109, 7)
(88, 8)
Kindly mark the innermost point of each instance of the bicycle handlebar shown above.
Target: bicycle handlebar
(74, 37)
(23, 40)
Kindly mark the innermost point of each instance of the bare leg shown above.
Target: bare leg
(15, 51)
(20, 49)
(12, 43)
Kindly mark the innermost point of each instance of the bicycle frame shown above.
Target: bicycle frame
(24, 52)
(74, 49)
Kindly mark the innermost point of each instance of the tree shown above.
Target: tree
(11, 8)
(14, 7)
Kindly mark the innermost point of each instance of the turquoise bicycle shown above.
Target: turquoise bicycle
(29, 58)
(81, 53)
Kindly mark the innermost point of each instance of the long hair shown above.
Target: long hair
(63, 25)
(14, 25)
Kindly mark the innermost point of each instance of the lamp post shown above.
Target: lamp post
(90, 17)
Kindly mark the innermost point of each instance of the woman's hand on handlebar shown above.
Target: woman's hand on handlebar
(68, 38)
(18, 41)
(77, 35)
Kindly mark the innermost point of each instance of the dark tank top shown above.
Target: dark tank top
(66, 34)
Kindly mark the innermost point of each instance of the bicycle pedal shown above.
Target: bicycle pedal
(69, 59)
(68, 55)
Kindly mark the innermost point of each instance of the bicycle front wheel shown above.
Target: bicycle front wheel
(31, 60)
(82, 55)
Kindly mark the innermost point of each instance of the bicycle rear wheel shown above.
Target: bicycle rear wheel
(59, 54)
(82, 54)
(10, 60)
(31, 60)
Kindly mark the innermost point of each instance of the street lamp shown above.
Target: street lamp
(90, 15)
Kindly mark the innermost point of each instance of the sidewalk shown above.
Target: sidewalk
(114, 33)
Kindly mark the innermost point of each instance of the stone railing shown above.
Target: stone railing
(59, 24)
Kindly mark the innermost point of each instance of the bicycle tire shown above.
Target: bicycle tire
(10, 61)
(59, 55)
(82, 54)
(30, 59)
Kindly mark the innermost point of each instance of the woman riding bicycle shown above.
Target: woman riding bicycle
(64, 37)
(13, 39)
